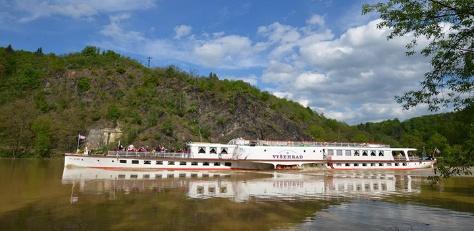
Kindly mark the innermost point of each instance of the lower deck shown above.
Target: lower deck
(108, 162)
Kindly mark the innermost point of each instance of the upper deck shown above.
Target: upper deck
(243, 142)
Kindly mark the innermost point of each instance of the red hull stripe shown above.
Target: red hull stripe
(376, 168)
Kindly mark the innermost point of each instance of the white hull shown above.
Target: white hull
(160, 163)
(108, 162)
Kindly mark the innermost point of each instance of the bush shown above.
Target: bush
(113, 113)
(42, 136)
(83, 84)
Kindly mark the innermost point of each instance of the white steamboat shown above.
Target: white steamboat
(260, 155)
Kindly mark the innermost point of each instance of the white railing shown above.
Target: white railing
(149, 154)
(402, 158)
(312, 143)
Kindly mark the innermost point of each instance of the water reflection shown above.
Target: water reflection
(42, 195)
(239, 186)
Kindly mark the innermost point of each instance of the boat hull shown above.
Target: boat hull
(144, 163)
(107, 162)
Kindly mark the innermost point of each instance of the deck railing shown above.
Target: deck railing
(311, 143)
(402, 158)
(149, 154)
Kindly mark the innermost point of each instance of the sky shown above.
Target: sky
(323, 54)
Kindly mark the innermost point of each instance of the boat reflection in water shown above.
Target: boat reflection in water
(239, 186)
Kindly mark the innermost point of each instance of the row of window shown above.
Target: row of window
(338, 152)
(369, 164)
(183, 163)
(169, 175)
(213, 150)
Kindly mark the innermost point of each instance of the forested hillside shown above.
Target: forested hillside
(450, 133)
(47, 99)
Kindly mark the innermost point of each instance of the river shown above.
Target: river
(43, 195)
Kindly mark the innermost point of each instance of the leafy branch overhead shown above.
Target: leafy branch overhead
(447, 27)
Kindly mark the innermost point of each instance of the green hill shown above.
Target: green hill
(451, 133)
(46, 100)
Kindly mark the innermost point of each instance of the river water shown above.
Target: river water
(43, 195)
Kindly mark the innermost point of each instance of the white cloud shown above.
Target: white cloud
(29, 10)
(182, 31)
(227, 51)
(316, 20)
(352, 77)
(218, 51)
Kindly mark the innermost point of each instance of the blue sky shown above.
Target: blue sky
(321, 53)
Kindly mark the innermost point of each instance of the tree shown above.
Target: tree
(90, 51)
(39, 51)
(43, 141)
(9, 49)
(448, 25)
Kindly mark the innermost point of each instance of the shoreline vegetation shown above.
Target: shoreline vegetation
(47, 99)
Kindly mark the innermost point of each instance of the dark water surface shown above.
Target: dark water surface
(42, 195)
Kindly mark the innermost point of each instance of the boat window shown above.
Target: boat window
(182, 175)
(223, 189)
(134, 161)
(372, 153)
(228, 164)
(158, 176)
(339, 152)
(348, 152)
(170, 162)
(123, 161)
(213, 150)
(330, 152)
(194, 163)
(356, 153)
(364, 164)
(147, 162)
(338, 164)
(364, 153)
(200, 189)
(380, 153)
(205, 164)
(376, 186)
(146, 176)
(224, 151)
(404, 164)
(380, 164)
(202, 150)
(212, 190)
(159, 162)
(217, 164)
(356, 164)
(396, 164)
(389, 164)
(347, 164)
(372, 164)
(134, 176)
(182, 163)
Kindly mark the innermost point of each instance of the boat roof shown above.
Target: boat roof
(241, 141)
